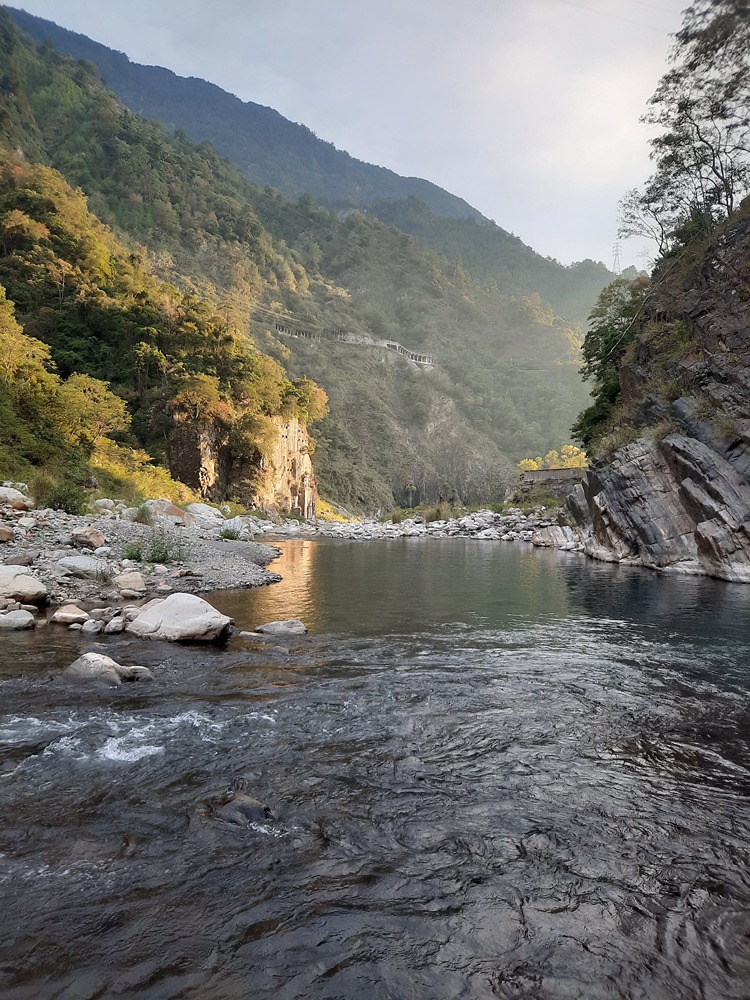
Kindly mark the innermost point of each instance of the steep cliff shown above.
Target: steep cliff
(675, 494)
(202, 455)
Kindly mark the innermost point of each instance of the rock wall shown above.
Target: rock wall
(678, 498)
(283, 479)
(673, 505)
(289, 480)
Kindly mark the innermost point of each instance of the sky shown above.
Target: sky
(527, 109)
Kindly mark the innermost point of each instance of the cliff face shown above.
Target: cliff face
(201, 456)
(678, 496)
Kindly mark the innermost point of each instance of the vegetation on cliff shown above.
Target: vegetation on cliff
(648, 343)
(92, 316)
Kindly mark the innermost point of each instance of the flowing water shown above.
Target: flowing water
(491, 772)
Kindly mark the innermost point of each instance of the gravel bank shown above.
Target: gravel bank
(189, 558)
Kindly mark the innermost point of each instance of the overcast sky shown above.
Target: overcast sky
(528, 109)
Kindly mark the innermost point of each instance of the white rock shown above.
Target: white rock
(132, 581)
(85, 566)
(92, 627)
(8, 494)
(115, 626)
(292, 626)
(173, 514)
(205, 516)
(104, 504)
(17, 620)
(180, 618)
(17, 583)
(98, 667)
(242, 525)
(70, 613)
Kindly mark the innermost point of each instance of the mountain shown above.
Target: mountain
(273, 151)
(505, 382)
(266, 146)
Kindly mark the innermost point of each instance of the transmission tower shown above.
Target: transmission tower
(616, 265)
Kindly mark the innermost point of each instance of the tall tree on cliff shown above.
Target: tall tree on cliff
(702, 107)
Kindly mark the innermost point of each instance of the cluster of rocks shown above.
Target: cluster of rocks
(95, 569)
(48, 556)
(537, 526)
(177, 618)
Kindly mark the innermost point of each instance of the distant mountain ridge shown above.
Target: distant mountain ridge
(275, 152)
(256, 138)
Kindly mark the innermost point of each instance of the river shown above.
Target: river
(492, 772)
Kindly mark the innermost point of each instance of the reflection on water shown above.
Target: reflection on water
(492, 772)
(370, 587)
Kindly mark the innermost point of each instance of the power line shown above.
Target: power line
(616, 17)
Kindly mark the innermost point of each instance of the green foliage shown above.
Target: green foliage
(506, 384)
(231, 534)
(133, 551)
(69, 497)
(611, 330)
(163, 549)
(89, 411)
(144, 515)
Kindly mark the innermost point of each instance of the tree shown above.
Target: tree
(18, 353)
(611, 330)
(702, 152)
(89, 410)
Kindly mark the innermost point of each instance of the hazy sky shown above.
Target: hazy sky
(528, 109)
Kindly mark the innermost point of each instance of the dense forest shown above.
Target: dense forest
(215, 261)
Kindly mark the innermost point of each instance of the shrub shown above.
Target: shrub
(69, 497)
(229, 533)
(163, 550)
(133, 550)
(396, 517)
(144, 515)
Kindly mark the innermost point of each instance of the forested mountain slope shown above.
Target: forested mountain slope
(505, 383)
(271, 150)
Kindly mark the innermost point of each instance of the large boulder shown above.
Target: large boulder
(16, 620)
(21, 586)
(166, 509)
(70, 614)
(130, 583)
(181, 618)
(87, 538)
(85, 566)
(8, 495)
(104, 670)
(206, 516)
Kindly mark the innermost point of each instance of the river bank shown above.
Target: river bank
(119, 554)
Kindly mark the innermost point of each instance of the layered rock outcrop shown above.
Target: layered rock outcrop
(281, 479)
(678, 497)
